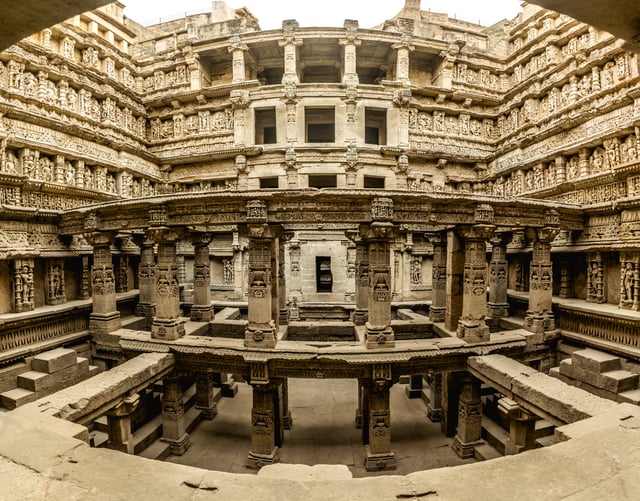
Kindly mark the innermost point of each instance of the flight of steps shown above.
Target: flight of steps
(599, 373)
(50, 371)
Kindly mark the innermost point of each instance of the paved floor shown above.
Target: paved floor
(323, 431)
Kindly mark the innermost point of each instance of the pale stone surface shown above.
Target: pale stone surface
(302, 472)
(54, 360)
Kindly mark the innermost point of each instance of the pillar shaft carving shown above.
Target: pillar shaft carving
(379, 455)
(595, 278)
(265, 425)
(238, 50)
(146, 280)
(498, 305)
(173, 422)
(205, 396)
(202, 309)
(166, 323)
(469, 432)
(23, 292)
(539, 315)
(439, 278)
(105, 317)
(55, 282)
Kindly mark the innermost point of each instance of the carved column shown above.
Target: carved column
(629, 281)
(561, 169)
(469, 434)
(173, 422)
(23, 292)
(471, 326)
(439, 278)
(237, 49)
(105, 316)
(55, 282)
(119, 423)
(350, 44)
(205, 397)
(146, 306)
(434, 406)
(295, 281)
(262, 327)
(403, 49)
(451, 387)
(379, 455)
(280, 293)
(595, 279)
(539, 317)
(85, 285)
(240, 102)
(454, 283)
(122, 282)
(290, 45)
(522, 427)
(202, 309)
(265, 419)
(498, 306)
(167, 323)
(378, 235)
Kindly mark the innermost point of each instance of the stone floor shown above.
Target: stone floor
(323, 432)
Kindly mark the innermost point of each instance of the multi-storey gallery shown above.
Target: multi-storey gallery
(199, 208)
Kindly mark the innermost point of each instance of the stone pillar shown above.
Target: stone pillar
(263, 266)
(361, 315)
(522, 427)
(202, 309)
(403, 48)
(146, 306)
(434, 406)
(414, 388)
(205, 398)
(378, 449)
(350, 44)
(173, 422)
(287, 419)
(119, 423)
(23, 292)
(539, 317)
(240, 103)
(237, 49)
(85, 285)
(290, 45)
(295, 280)
(122, 278)
(166, 323)
(455, 274)
(561, 169)
(105, 316)
(469, 434)
(265, 420)
(498, 305)
(451, 386)
(280, 292)
(583, 162)
(379, 333)
(439, 278)
(595, 279)
(359, 410)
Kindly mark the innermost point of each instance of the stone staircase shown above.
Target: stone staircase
(50, 371)
(599, 373)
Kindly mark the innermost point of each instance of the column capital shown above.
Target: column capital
(165, 234)
(199, 238)
(546, 234)
(100, 238)
(477, 232)
(501, 238)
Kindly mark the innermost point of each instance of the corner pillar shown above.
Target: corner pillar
(434, 406)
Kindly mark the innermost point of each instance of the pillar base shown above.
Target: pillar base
(473, 331)
(360, 317)
(126, 447)
(104, 323)
(379, 338)
(434, 415)
(413, 392)
(465, 450)
(208, 413)
(436, 313)
(260, 337)
(283, 316)
(539, 322)
(202, 313)
(497, 310)
(379, 462)
(178, 447)
(256, 461)
(170, 329)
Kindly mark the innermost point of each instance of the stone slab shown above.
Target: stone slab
(18, 396)
(595, 361)
(498, 369)
(619, 381)
(302, 472)
(54, 360)
(632, 396)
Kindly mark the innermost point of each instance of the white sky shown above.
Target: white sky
(325, 13)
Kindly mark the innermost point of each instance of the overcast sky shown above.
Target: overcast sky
(326, 13)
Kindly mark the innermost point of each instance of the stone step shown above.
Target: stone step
(54, 360)
(631, 396)
(98, 438)
(485, 452)
(544, 429)
(545, 441)
(17, 397)
(619, 381)
(33, 380)
(595, 361)
(495, 435)
(40, 381)
(158, 450)
(147, 434)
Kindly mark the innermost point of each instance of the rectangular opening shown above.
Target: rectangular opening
(321, 74)
(375, 126)
(266, 126)
(324, 278)
(320, 125)
(323, 181)
(374, 182)
(271, 76)
(268, 183)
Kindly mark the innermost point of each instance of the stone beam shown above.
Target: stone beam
(21, 19)
(547, 397)
(85, 401)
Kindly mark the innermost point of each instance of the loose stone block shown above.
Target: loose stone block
(54, 360)
(595, 361)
